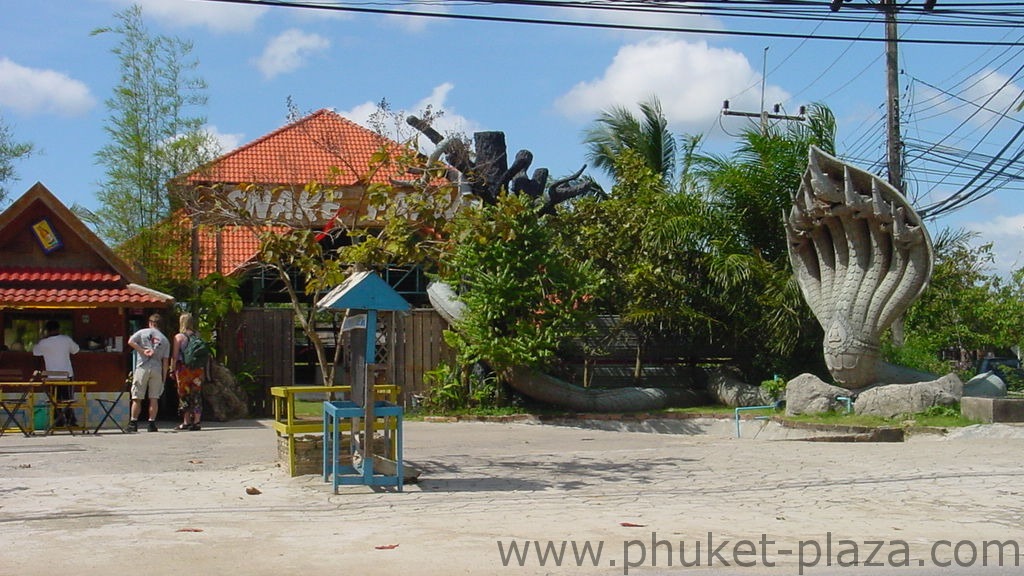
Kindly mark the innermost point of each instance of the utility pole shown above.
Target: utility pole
(764, 115)
(894, 140)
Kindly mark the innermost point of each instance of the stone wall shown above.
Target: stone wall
(309, 451)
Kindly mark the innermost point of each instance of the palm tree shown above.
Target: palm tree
(618, 129)
(697, 243)
(752, 188)
(754, 183)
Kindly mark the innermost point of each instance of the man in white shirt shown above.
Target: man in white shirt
(56, 350)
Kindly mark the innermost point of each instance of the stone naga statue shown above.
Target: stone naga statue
(861, 256)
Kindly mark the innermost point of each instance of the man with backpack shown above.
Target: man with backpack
(189, 358)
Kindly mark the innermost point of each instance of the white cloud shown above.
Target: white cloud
(1006, 232)
(360, 113)
(289, 51)
(995, 92)
(690, 79)
(227, 142)
(38, 91)
(216, 16)
(450, 122)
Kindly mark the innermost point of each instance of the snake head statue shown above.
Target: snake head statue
(861, 256)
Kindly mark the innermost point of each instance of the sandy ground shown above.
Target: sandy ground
(176, 503)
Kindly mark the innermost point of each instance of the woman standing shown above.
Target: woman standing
(189, 379)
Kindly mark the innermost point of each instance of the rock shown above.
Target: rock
(985, 385)
(892, 400)
(222, 396)
(726, 386)
(808, 394)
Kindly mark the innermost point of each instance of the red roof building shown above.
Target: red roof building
(271, 178)
(322, 147)
(53, 267)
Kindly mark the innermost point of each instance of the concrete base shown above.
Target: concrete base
(990, 410)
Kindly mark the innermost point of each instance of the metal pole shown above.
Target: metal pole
(764, 77)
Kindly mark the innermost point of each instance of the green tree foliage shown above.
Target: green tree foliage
(680, 271)
(699, 257)
(754, 183)
(966, 307)
(771, 328)
(618, 130)
(409, 222)
(216, 296)
(10, 151)
(153, 137)
(525, 296)
(651, 245)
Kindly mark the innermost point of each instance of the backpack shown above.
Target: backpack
(196, 352)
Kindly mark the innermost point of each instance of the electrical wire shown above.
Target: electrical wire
(974, 24)
(790, 11)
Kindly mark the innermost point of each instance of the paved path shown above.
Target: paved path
(176, 503)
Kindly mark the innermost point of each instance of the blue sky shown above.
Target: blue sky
(540, 84)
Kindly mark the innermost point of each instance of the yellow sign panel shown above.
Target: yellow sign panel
(46, 236)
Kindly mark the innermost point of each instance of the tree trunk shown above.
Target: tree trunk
(551, 390)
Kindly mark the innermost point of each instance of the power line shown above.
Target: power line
(769, 10)
(940, 160)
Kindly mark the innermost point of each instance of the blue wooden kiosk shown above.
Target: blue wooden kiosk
(363, 294)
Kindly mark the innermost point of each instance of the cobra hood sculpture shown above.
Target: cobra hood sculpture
(861, 256)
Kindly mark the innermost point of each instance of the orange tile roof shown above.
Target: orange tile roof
(23, 286)
(57, 275)
(239, 245)
(322, 147)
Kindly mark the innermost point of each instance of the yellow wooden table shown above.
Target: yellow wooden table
(79, 391)
(288, 424)
(24, 400)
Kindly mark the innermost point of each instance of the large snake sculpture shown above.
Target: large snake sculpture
(861, 255)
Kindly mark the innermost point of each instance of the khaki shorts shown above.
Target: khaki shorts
(147, 383)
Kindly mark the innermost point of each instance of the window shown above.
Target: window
(22, 331)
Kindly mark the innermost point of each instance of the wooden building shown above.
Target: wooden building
(270, 178)
(52, 267)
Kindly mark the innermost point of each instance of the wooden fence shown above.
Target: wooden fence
(419, 347)
(261, 342)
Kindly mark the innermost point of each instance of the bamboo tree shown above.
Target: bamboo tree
(10, 151)
(153, 130)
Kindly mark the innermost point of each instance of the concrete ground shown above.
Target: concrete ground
(177, 503)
